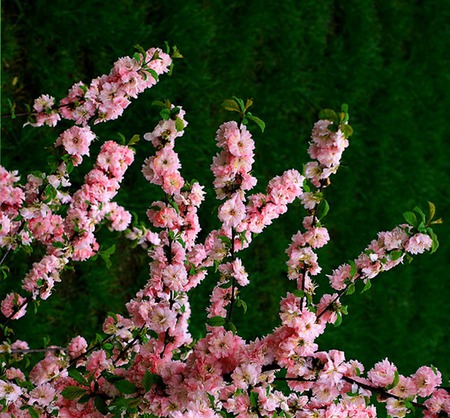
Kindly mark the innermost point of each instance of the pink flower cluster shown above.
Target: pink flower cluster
(382, 254)
(107, 96)
(148, 363)
(232, 166)
(163, 168)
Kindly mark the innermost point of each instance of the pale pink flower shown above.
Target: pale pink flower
(161, 318)
(76, 140)
(232, 212)
(13, 373)
(9, 392)
(382, 374)
(317, 237)
(246, 375)
(11, 304)
(77, 346)
(405, 388)
(396, 408)
(418, 243)
(42, 395)
(426, 380)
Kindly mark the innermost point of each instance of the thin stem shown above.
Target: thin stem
(129, 345)
(380, 391)
(35, 350)
(4, 257)
(94, 347)
(339, 295)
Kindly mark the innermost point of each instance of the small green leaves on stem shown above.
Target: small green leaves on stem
(78, 377)
(12, 109)
(241, 304)
(134, 140)
(410, 218)
(338, 121)
(149, 380)
(73, 392)
(418, 220)
(106, 254)
(237, 105)
(170, 112)
(125, 386)
(216, 321)
(322, 209)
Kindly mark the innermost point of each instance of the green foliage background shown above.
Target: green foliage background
(388, 60)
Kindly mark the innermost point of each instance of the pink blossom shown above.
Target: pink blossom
(9, 392)
(232, 212)
(77, 346)
(418, 243)
(11, 304)
(426, 380)
(42, 395)
(382, 374)
(161, 318)
(76, 140)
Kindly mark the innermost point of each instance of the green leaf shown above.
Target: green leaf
(107, 260)
(176, 53)
(229, 326)
(153, 73)
(242, 304)
(137, 57)
(159, 103)
(299, 293)
(330, 115)
(353, 268)
(420, 212)
(33, 413)
(12, 108)
(394, 382)
(347, 130)
(240, 102)
(338, 320)
(322, 209)
(225, 239)
(100, 404)
(254, 399)
(110, 250)
(367, 286)
(58, 244)
(148, 380)
(216, 321)
(258, 121)
(125, 386)
(50, 193)
(432, 210)
(73, 392)
(350, 289)
(165, 114)
(231, 106)
(134, 140)
(179, 124)
(410, 218)
(395, 255)
(435, 242)
(140, 49)
(78, 377)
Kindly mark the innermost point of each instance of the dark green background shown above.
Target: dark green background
(388, 60)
